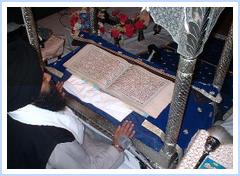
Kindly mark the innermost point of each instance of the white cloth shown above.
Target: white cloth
(89, 155)
(228, 124)
(66, 119)
(89, 94)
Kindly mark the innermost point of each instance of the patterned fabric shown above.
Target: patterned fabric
(189, 26)
(202, 110)
(223, 155)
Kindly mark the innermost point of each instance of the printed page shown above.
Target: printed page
(97, 65)
(143, 90)
(138, 85)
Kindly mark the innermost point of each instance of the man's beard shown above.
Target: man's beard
(51, 100)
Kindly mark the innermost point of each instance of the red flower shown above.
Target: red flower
(129, 30)
(123, 18)
(73, 20)
(102, 30)
(115, 13)
(139, 24)
(115, 33)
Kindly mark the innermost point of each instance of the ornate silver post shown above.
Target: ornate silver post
(93, 19)
(182, 86)
(224, 61)
(190, 28)
(31, 29)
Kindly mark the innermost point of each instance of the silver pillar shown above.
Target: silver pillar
(194, 35)
(31, 29)
(93, 20)
(224, 62)
(181, 90)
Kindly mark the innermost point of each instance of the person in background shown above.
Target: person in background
(42, 132)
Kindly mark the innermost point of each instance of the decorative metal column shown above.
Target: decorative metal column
(31, 29)
(224, 62)
(190, 28)
(182, 86)
(93, 20)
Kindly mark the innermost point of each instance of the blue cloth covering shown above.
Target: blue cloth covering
(168, 62)
(198, 114)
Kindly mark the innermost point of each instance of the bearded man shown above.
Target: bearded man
(42, 132)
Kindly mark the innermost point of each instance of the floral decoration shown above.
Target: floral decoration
(129, 30)
(127, 26)
(122, 25)
(80, 20)
(115, 33)
(122, 18)
(139, 25)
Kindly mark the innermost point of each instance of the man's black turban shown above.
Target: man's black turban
(24, 74)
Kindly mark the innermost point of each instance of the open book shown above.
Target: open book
(132, 84)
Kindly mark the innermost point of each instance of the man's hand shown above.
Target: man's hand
(59, 87)
(125, 129)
